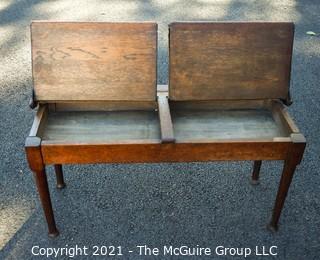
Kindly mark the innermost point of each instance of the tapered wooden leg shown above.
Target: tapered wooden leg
(59, 174)
(34, 157)
(286, 178)
(293, 159)
(255, 173)
(43, 189)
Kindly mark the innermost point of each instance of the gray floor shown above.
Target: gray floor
(206, 204)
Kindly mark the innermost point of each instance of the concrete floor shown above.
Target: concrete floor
(206, 204)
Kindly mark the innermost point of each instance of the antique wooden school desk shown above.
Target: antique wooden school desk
(95, 88)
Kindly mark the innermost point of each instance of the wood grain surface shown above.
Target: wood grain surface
(94, 61)
(163, 152)
(233, 60)
(104, 106)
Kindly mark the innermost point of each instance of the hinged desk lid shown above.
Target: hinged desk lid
(76, 61)
(234, 60)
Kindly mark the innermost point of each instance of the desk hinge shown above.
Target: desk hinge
(287, 101)
(33, 103)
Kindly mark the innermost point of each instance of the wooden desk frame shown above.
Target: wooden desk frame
(167, 148)
(41, 153)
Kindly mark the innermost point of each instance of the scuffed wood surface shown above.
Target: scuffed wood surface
(101, 126)
(221, 61)
(94, 61)
(225, 124)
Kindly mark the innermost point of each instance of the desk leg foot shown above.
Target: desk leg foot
(255, 174)
(59, 174)
(43, 189)
(272, 228)
(55, 234)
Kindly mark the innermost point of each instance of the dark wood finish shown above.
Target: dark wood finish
(218, 104)
(256, 172)
(104, 106)
(33, 153)
(94, 61)
(167, 135)
(165, 152)
(59, 175)
(34, 158)
(293, 159)
(43, 190)
(230, 60)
